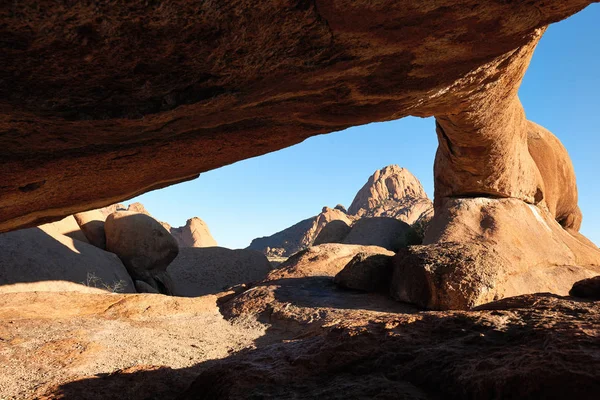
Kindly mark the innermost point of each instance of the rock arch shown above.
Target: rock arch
(105, 102)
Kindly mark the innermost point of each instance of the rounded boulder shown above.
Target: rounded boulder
(385, 232)
(143, 244)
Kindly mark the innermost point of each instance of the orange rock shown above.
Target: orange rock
(126, 122)
(195, 233)
(91, 224)
(391, 192)
(481, 249)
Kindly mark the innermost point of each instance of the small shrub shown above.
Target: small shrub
(94, 281)
(416, 234)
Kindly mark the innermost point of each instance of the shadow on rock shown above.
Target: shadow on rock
(528, 347)
(322, 292)
(33, 255)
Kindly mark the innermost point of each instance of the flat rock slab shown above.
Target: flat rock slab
(320, 342)
(531, 347)
(50, 338)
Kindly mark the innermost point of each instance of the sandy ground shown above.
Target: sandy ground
(50, 338)
(320, 342)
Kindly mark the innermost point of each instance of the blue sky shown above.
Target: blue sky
(263, 195)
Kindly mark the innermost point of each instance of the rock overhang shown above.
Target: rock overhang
(100, 103)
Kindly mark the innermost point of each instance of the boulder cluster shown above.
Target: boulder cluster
(469, 251)
(458, 257)
(123, 249)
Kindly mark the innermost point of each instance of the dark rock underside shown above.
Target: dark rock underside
(100, 102)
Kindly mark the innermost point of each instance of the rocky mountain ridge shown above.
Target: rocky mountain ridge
(298, 236)
(391, 192)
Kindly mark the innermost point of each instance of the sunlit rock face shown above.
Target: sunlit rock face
(391, 192)
(505, 206)
(194, 233)
(100, 103)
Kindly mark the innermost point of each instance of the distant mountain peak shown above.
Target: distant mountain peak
(390, 192)
(388, 189)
